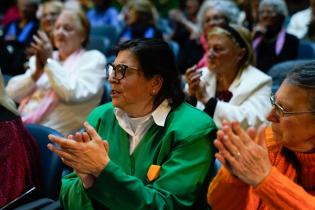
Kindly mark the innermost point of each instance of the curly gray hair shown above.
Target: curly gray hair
(279, 5)
(227, 7)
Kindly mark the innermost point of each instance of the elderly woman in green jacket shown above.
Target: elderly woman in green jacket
(147, 149)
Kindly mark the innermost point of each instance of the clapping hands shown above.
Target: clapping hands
(240, 154)
(85, 152)
(42, 48)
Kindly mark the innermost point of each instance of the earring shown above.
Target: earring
(153, 92)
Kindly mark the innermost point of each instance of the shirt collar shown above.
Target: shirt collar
(159, 115)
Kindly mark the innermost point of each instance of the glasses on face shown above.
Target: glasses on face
(280, 110)
(270, 13)
(215, 19)
(50, 14)
(117, 71)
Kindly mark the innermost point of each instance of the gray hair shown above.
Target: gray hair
(227, 7)
(5, 100)
(279, 5)
(303, 76)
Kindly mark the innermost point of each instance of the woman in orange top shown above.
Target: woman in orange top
(278, 170)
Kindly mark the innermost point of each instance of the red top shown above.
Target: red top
(12, 14)
(19, 160)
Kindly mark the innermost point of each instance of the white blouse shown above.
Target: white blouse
(79, 89)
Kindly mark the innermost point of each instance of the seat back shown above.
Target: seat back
(306, 50)
(6, 78)
(106, 94)
(279, 71)
(51, 165)
(106, 31)
(99, 43)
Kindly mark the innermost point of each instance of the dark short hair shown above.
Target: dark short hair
(303, 76)
(156, 58)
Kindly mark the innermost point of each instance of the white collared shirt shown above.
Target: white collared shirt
(137, 127)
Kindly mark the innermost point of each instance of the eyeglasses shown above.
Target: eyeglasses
(118, 71)
(280, 110)
(270, 13)
(215, 19)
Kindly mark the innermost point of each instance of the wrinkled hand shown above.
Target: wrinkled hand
(241, 155)
(195, 87)
(42, 47)
(88, 155)
(87, 179)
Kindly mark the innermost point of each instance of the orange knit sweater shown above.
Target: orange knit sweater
(277, 191)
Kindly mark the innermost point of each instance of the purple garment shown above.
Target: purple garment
(279, 43)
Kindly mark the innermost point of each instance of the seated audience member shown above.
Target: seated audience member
(211, 14)
(310, 34)
(250, 9)
(184, 22)
(19, 157)
(272, 44)
(140, 16)
(50, 12)
(230, 88)
(61, 87)
(185, 17)
(301, 21)
(138, 151)
(10, 12)
(277, 169)
(103, 14)
(16, 37)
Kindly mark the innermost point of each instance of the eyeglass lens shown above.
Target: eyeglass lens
(118, 71)
(278, 109)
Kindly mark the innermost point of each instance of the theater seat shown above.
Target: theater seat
(51, 171)
(51, 165)
(279, 71)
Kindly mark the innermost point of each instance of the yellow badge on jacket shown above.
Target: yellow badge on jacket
(153, 172)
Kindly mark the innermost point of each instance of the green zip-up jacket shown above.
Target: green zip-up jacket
(182, 148)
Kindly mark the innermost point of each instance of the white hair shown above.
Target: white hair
(279, 5)
(227, 7)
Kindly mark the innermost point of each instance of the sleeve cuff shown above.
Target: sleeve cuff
(210, 106)
(191, 100)
(230, 178)
(267, 182)
(102, 179)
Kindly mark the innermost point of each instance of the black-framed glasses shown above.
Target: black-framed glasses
(118, 71)
(280, 110)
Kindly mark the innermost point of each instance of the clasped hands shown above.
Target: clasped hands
(244, 154)
(85, 152)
